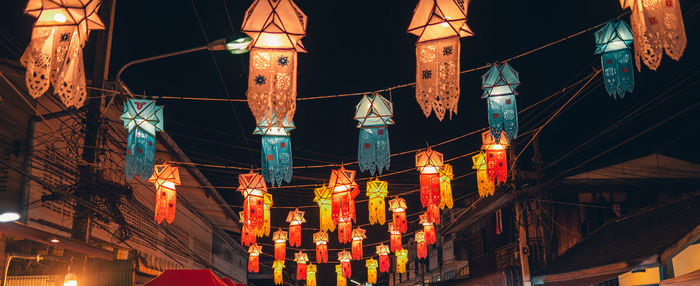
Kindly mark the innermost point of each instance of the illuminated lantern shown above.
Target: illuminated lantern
(165, 178)
(301, 259)
(344, 257)
(438, 24)
(280, 238)
(253, 257)
(398, 208)
(614, 41)
(394, 237)
(345, 189)
(247, 234)
(295, 218)
(321, 241)
(499, 84)
(377, 191)
(421, 247)
(371, 265)
(657, 26)
(373, 114)
(324, 198)
(496, 157)
(311, 275)
(428, 229)
(278, 265)
(276, 29)
(340, 276)
(358, 235)
(429, 163)
(383, 253)
(55, 54)
(401, 259)
(142, 119)
(276, 155)
(252, 187)
(446, 177)
(266, 224)
(485, 185)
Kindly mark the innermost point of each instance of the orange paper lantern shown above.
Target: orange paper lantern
(344, 257)
(428, 228)
(280, 239)
(394, 237)
(278, 265)
(301, 259)
(371, 265)
(252, 187)
(324, 198)
(321, 241)
(496, 157)
(376, 192)
(358, 235)
(398, 208)
(247, 235)
(253, 257)
(345, 189)
(421, 247)
(311, 275)
(165, 177)
(383, 253)
(295, 218)
(429, 163)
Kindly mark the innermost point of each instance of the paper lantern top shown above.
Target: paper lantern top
(429, 161)
(500, 79)
(490, 143)
(479, 161)
(143, 114)
(278, 264)
(383, 249)
(613, 36)
(296, 217)
(344, 256)
(301, 257)
(82, 13)
(423, 219)
(339, 269)
(446, 172)
(320, 237)
(311, 269)
(269, 126)
(343, 180)
(420, 236)
(275, 24)
(371, 263)
(377, 189)
(165, 173)
(252, 184)
(323, 195)
(279, 236)
(374, 110)
(397, 204)
(255, 249)
(438, 19)
(358, 234)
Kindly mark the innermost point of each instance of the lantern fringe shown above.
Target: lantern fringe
(373, 150)
(276, 159)
(618, 72)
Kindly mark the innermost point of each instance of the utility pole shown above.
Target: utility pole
(521, 220)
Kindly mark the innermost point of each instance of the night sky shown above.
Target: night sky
(357, 46)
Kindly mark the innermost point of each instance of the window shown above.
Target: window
(449, 275)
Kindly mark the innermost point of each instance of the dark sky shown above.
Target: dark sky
(357, 46)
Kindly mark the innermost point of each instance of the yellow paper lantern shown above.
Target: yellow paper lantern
(401, 259)
(371, 265)
(311, 275)
(438, 24)
(377, 191)
(446, 177)
(324, 198)
(485, 186)
(266, 225)
(278, 265)
(340, 276)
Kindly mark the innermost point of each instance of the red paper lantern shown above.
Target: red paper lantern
(252, 187)
(301, 259)
(429, 163)
(247, 235)
(428, 229)
(253, 257)
(344, 257)
(421, 247)
(383, 252)
(295, 218)
(394, 237)
(358, 235)
(496, 156)
(165, 177)
(345, 189)
(398, 207)
(321, 241)
(280, 239)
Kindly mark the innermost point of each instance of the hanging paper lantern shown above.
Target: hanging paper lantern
(398, 208)
(142, 119)
(373, 114)
(438, 25)
(278, 265)
(252, 187)
(295, 218)
(358, 235)
(340, 276)
(371, 265)
(499, 84)
(165, 178)
(253, 257)
(276, 29)
(401, 259)
(657, 26)
(324, 198)
(377, 191)
(429, 163)
(266, 222)
(55, 54)
(344, 257)
(311, 275)
(496, 156)
(345, 189)
(383, 253)
(321, 241)
(276, 155)
(280, 239)
(446, 177)
(428, 229)
(421, 246)
(613, 41)
(301, 259)
(247, 234)
(485, 185)
(394, 237)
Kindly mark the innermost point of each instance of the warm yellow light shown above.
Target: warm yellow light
(70, 280)
(60, 18)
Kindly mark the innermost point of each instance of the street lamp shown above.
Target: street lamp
(9, 216)
(239, 45)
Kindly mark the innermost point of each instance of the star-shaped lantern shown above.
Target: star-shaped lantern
(165, 178)
(301, 259)
(358, 235)
(321, 241)
(345, 189)
(376, 192)
(280, 239)
(324, 199)
(253, 257)
(295, 218)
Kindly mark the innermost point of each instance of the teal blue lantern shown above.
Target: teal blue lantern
(142, 118)
(276, 154)
(499, 85)
(373, 114)
(614, 42)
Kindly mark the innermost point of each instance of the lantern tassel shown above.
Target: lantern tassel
(618, 72)
(503, 116)
(384, 263)
(373, 149)
(276, 159)
(140, 154)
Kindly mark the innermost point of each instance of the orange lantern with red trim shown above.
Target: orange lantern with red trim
(383, 252)
(428, 228)
(345, 189)
(321, 241)
(344, 257)
(252, 187)
(253, 257)
(421, 247)
(398, 208)
(165, 177)
(301, 259)
(280, 239)
(429, 163)
(394, 237)
(358, 235)
(295, 218)
(247, 235)
(496, 156)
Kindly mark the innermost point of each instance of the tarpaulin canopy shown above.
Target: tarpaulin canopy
(200, 277)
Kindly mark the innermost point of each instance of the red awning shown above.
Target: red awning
(200, 277)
